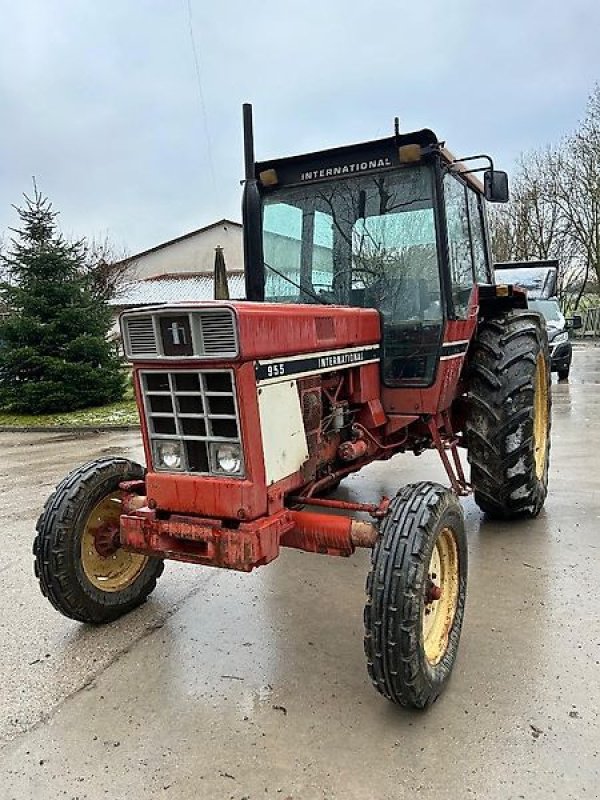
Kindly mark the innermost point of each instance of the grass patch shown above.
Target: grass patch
(122, 413)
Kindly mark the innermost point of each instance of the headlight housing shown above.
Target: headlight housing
(227, 458)
(190, 415)
(561, 337)
(168, 455)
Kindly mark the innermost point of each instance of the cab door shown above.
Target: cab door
(464, 263)
(467, 263)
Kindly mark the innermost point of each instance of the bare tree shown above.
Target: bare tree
(542, 221)
(578, 193)
(108, 267)
(531, 226)
(500, 229)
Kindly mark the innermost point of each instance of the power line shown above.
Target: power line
(203, 110)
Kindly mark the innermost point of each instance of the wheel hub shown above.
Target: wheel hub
(440, 597)
(106, 540)
(433, 592)
(104, 562)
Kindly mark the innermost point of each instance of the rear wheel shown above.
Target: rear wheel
(508, 425)
(416, 593)
(81, 567)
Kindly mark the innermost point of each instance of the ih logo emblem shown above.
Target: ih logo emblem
(176, 335)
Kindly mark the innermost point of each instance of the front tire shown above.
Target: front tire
(507, 430)
(81, 568)
(416, 592)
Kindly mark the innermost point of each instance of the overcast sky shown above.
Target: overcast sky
(100, 100)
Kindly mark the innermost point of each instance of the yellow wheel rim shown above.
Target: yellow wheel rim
(440, 596)
(540, 416)
(116, 570)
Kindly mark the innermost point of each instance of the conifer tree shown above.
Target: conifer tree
(54, 351)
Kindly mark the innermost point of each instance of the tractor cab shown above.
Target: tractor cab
(395, 224)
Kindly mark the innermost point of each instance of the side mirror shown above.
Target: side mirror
(574, 323)
(495, 186)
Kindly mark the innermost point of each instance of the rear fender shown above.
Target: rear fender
(495, 300)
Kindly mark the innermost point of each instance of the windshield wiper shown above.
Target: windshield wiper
(306, 290)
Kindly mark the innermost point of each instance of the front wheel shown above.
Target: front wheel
(416, 593)
(79, 563)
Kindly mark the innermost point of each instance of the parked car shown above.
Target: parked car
(561, 350)
(539, 278)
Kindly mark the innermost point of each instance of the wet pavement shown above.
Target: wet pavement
(254, 686)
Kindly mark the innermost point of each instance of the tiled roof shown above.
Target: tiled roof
(169, 289)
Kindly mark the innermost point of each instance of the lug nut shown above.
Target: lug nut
(432, 592)
(435, 592)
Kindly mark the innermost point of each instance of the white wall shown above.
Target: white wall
(194, 254)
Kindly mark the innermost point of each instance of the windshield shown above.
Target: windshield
(540, 282)
(367, 241)
(549, 309)
(364, 241)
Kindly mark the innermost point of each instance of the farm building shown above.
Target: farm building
(183, 268)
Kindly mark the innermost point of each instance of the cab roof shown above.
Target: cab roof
(358, 159)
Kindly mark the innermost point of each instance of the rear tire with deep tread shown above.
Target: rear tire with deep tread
(57, 545)
(394, 641)
(501, 420)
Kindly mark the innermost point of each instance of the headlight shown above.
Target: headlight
(168, 455)
(228, 457)
(561, 337)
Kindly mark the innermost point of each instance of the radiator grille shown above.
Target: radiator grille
(142, 337)
(175, 333)
(218, 333)
(198, 410)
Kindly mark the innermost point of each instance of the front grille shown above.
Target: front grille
(218, 333)
(141, 337)
(181, 333)
(197, 409)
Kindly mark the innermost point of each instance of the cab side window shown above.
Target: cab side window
(459, 244)
(478, 238)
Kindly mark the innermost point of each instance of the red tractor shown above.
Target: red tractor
(372, 327)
